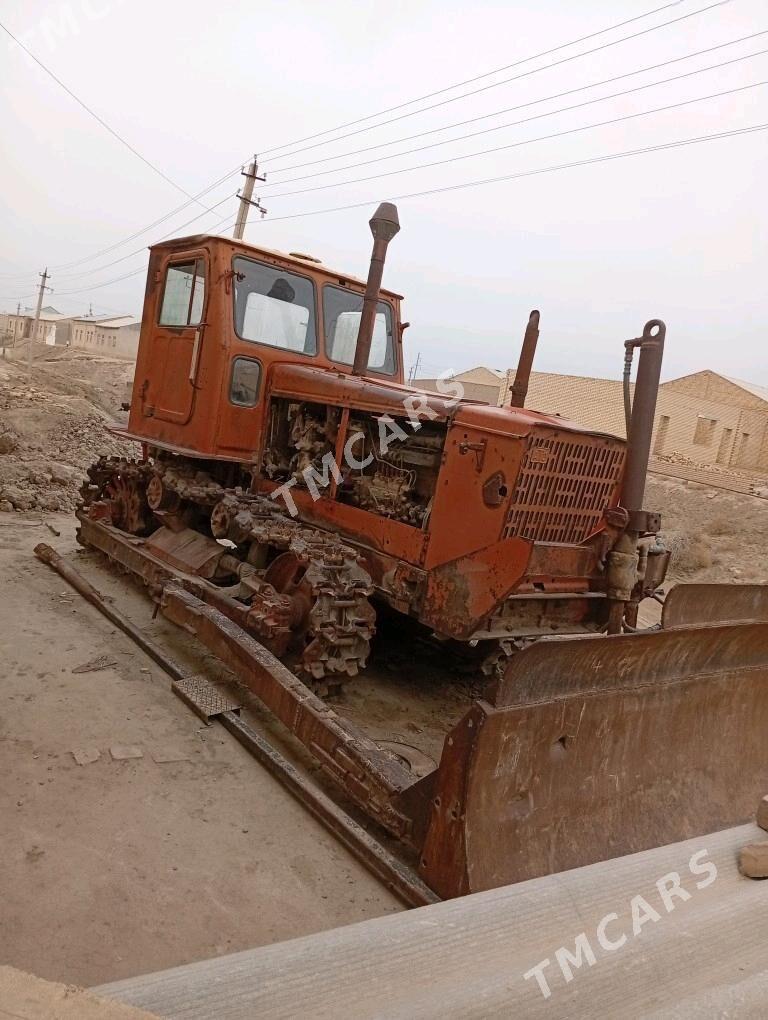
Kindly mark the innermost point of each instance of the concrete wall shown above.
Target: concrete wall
(116, 341)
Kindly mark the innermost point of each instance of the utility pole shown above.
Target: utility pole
(246, 198)
(43, 278)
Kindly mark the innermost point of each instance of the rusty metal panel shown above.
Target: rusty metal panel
(598, 747)
(689, 604)
(461, 594)
(564, 485)
(473, 493)
(186, 550)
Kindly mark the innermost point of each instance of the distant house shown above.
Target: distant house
(707, 418)
(112, 336)
(713, 419)
(479, 383)
(16, 327)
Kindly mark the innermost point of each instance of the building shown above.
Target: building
(713, 419)
(16, 327)
(112, 336)
(705, 418)
(479, 383)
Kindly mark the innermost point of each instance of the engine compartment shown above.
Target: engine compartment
(380, 463)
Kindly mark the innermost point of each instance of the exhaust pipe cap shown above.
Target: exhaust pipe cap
(385, 223)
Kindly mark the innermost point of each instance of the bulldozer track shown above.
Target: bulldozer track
(309, 599)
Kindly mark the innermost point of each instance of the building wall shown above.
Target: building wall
(711, 386)
(703, 418)
(700, 420)
(481, 375)
(710, 432)
(472, 390)
(100, 338)
(19, 327)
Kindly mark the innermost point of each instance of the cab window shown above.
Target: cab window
(342, 312)
(183, 294)
(245, 382)
(274, 307)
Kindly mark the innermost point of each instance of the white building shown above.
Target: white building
(116, 336)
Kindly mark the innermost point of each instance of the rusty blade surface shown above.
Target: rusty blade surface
(689, 604)
(598, 747)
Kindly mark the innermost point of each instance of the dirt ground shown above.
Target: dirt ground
(53, 428)
(119, 867)
(714, 535)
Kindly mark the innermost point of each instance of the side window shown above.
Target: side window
(244, 385)
(183, 294)
(274, 307)
(343, 340)
(342, 313)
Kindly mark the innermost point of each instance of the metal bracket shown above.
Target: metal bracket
(645, 522)
(477, 448)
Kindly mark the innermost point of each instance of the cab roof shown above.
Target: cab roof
(296, 259)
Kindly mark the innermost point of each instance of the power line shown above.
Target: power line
(471, 81)
(93, 113)
(155, 223)
(525, 141)
(679, 143)
(517, 77)
(135, 272)
(520, 106)
(138, 233)
(531, 173)
(138, 251)
(430, 95)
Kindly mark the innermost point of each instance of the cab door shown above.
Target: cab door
(176, 341)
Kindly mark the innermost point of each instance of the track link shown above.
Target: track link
(306, 592)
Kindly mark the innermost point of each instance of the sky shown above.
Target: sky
(196, 88)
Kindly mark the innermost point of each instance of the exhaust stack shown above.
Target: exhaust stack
(384, 225)
(525, 362)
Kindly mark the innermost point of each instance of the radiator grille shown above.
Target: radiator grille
(563, 487)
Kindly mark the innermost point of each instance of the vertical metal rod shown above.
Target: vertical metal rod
(651, 345)
(525, 362)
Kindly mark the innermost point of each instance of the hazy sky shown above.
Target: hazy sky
(196, 87)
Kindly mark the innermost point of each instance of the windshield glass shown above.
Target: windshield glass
(342, 311)
(274, 307)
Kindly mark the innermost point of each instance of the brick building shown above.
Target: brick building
(705, 417)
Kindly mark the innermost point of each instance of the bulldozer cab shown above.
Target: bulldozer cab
(219, 315)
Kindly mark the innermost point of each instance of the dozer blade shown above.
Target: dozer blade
(689, 604)
(597, 747)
